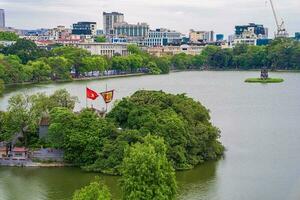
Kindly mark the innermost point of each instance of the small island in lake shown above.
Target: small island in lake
(264, 78)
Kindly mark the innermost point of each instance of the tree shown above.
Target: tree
(74, 55)
(11, 69)
(60, 67)
(20, 118)
(134, 62)
(94, 63)
(24, 112)
(163, 63)
(153, 68)
(1, 86)
(120, 63)
(198, 61)
(62, 98)
(147, 173)
(181, 61)
(183, 123)
(8, 36)
(100, 39)
(80, 135)
(94, 191)
(39, 70)
(134, 49)
(26, 50)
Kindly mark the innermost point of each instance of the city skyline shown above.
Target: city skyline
(216, 15)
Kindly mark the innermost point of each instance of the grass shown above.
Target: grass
(268, 80)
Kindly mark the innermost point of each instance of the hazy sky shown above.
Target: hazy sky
(181, 15)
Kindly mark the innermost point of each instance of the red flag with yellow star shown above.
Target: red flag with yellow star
(91, 94)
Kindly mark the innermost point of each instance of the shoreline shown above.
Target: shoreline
(76, 79)
(31, 164)
(139, 74)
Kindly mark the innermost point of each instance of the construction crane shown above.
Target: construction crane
(281, 31)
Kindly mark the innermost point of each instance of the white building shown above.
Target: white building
(162, 37)
(201, 36)
(59, 33)
(173, 50)
(105, 49)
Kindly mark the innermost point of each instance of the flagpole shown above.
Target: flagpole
(86, 99)
(105, 101)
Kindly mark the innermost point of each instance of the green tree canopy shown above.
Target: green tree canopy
(74, 55)
(39, 70)
(183, 123)
(1, 86)
(24, 112)
(147, 173)
(96, 190)
(8, 36)
(26, 50)
(100, 39)
(60, 67)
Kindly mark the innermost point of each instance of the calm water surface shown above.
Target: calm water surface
(260, 126)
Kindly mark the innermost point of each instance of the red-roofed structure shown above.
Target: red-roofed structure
(19, 153)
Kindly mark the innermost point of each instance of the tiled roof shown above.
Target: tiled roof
(19, 149)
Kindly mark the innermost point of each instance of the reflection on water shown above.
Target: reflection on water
(201, 180)
(47, 183)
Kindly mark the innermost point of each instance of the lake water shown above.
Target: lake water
(260, 126)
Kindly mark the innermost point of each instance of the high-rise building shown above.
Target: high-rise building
(84, 28)
(109, 19)
(250, 31)
(139, 30)
(2, 18)
(220, 37)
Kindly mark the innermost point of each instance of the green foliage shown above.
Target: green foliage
(1, 86)
(26, 50)
(282, 54)
(80, 135)
(100, 39)
(134, 49)
(73, 54)
(120, 63)
(94, 63)
(8, 36)
(163, 63)
(20, 117)
(217, 57)
(96, 190)
(268, 80)
(60, 67)
(147, 173)
(183, 123)
(39, 70)
(11, 69)
(181, 61)
(134, 62)
(24, 113)
(153, 68)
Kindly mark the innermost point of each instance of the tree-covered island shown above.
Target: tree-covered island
(144, 138)
(97, 143)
